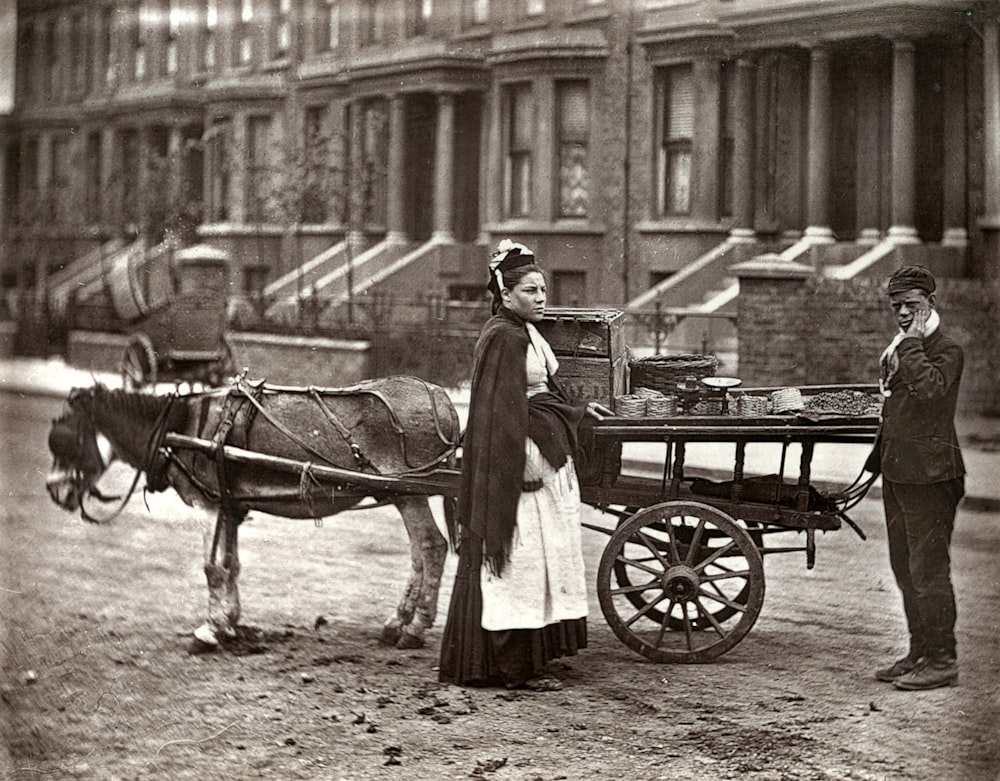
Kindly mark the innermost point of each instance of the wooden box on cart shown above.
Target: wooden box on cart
(590, 346)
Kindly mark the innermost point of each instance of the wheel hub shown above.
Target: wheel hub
(681, 582)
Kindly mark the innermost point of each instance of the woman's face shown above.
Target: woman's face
(527, 298)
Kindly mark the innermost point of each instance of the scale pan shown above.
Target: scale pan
(721, 382)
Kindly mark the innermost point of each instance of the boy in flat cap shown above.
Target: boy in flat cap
(923, 480)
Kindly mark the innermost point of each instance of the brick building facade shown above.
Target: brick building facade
(630, 143)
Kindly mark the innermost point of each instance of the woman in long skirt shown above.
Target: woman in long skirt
(520, 597)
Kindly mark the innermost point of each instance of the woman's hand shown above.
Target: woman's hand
(597, 410)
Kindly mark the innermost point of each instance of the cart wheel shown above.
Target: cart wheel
(684, 562)
(719, 612)
(139, 363)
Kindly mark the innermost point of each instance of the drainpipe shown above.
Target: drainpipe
(627, 162)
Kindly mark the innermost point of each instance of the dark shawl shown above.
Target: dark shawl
(500, 417)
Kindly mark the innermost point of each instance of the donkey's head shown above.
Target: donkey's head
(81, 454)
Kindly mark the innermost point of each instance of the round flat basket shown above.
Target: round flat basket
(663, 372)
(661, 406)
(630, 406)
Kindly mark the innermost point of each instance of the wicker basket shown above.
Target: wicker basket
(630, 406)
(663, 372)
(661, 406)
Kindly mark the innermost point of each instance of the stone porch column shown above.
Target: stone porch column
(110, 207)
(818, 154)
(356, 206)
(444, 169)
(870, 169)
(955, 180)
(705, 144)
(903, 172)
(743, 152)
(396, 205)
(990, 220)
(239, 213)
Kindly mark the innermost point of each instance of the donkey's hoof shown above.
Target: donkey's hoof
(390, 635)
(406, 640)
(204, 640)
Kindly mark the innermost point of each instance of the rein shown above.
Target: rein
(149, 469)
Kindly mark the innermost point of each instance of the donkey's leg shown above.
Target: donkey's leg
(222, 571)
(428, 549)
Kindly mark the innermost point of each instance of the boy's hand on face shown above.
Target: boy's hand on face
(919, 323)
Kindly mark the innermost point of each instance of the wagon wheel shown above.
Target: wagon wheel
(719, 612)
(686, 561)
(139, 363)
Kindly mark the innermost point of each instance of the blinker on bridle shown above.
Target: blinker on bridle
(73, 446)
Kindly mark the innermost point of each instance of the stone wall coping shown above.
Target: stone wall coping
(772, 266)
(347, 345)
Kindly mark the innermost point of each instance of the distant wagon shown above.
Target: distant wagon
(175, 307)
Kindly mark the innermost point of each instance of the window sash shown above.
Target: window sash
(674, 159)
(573, 128)
(520, 107)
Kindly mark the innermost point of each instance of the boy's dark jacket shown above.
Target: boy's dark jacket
(917, 443)
(500, 417)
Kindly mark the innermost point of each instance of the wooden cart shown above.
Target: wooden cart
(174, 303)
(681, 578)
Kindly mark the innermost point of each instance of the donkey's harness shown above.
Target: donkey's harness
(241, 406)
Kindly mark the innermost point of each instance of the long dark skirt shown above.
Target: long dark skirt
(473, 656)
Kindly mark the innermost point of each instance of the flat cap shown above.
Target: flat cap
(911, 277)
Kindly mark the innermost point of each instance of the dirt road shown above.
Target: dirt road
(96, 683)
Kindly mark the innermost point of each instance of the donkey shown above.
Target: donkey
(388, 432)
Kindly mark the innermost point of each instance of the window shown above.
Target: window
(475, 12)
(573, 126)
(520, 110)
(676, 89)
(281, 27)
(105, 64)
(727, 103)
(244, 33)
(418, 15)
(128, 175)
(219, 143)
(77, 55)
(25, 71)
(51, 49)
(258, 168)
(375, 152)
(569, 288)
(28, 175)
(328, 27)
(173, 35)
(316, 180)
(208, 35)
(93, 181)
(370, 23)
(59, 181)
(137, 27)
